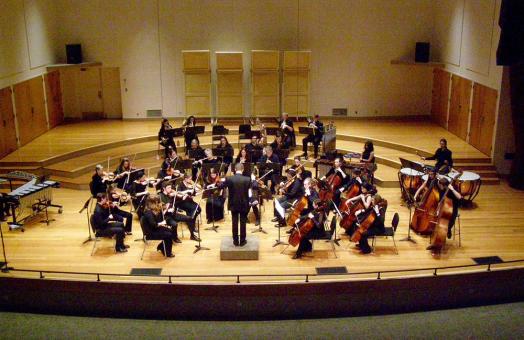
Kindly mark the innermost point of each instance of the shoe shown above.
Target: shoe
(170, 255)
(297, 256)
(177, 240)
(365, 251)
(235, 243)
(449, 234)
(195, 238)
(121, 250)
(257, 223)
(126, 246)
(275, 219)
(242, 243)
(129, 233)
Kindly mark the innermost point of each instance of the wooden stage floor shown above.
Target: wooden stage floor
(494, 226)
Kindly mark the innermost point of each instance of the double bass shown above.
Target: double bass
(425, 215)
(444, 213)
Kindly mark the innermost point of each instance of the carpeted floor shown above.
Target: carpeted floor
(498, 321)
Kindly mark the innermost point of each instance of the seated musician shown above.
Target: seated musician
(318, 217)
(164, 138)
(443, 156)
(278, 143)
(255, 199)
(311, 194)
(171, 157)
(337, 170)
(105, 223)
(185, 192)
(368, 155)
(215, 199)
(139, 194)
(119, 214)
(98, 181)
(270, 157)
(355, 179)
(197, 154)
(442, 184)
(122, 173)
(243, 156)
(286, 126)
(366, 196)
(189, 135)
(157, 227)
(291, 192)
(167, 197)
(227, 150)
(254, 149)
(315, 138)
(379, 205)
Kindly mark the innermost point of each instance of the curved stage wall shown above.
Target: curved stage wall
(261, 301)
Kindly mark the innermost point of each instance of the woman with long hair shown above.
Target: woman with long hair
(155, 226)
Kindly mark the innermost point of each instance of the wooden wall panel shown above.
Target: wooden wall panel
(440, 97)
(295, 87)
(459, 106)
(30, 109)
(230, 77)
(7, 123)
(111, 92)
(483, 110)
(197, 76)
(53, 89)
(265, 85)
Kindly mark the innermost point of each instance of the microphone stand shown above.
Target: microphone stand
(335, 239)
(5, 267)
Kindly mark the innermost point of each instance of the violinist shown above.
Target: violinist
(288, 132)
(158, 228)
(315, 137)
(122, 173)
(171, 157)
(105, 224)
(278, 145)
(197, 154)
(139, 194)
(215, 200)
(379, 205)
(291, 191)
(166, 173)
(297, 165)
(443, 184)
(228, 151)
(254, 149)
(185, 193)
(169, 199)
(443, 156)
(119, 214)
(98, 181)
(317, 216)
(189, 135)
(164, 137)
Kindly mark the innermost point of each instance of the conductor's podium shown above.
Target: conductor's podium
(230, 252)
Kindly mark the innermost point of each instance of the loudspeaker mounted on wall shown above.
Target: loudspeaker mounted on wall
(422, 52)
(74, 53)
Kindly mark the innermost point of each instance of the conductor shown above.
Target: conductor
(238, 202)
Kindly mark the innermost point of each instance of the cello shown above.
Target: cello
(299, 207)
(423, 220)
(349, 213)
(302, 229)
(443, 216)
(367, 222)
(328, 187)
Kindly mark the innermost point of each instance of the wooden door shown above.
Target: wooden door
(295, 86)
(483, 118)
(459, 106)
(7, 123)
(265, 85)
(53, 89)
(440, 97)
(111, 94)
(88, 87)
(197, 79)
(30, 109)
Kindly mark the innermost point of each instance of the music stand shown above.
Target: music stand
(244, 128)
(219, 130)
(222, 154)
(256, 155)
(306, 130)
(248, 168)
(176, 132)
(250, 134)
(272, 131)
(196, 154)
(283, 154)
(263, 168)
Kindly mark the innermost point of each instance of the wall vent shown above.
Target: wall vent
(340, 112)
(154, 113)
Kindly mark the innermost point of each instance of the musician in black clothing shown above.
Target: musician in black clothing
(122, 174)
(139, 194)
(286, 126)
(157, 228)
(444, 158)
(228, 152)
(189, 135)
(238, 202)
(197, 154)
(315, 137)
(4, 209)
(215, 197)
(379, 206)
(165, 138)
(185, 192)
(255, 199)
(318, 216)
(355, 179)
(120, 214)
(294, 192)
(105, 224)
(171, 157)
(338, 171)
(167, 197)
(254, 149)
(98, 183)
(270, 157)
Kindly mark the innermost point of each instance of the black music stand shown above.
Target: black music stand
(196, 154)
(219, 130)
(183, 164)
(196, 130)
(244, 128)
(250, 134)
(86, 208)
(306, 130)
(263, 168)
(282, 154)
(176, 132)
(256, 155)
(221, 153)
(272, 131)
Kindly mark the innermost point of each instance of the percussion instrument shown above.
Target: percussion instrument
(468, 185)
(410, 180)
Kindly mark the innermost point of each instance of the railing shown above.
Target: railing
(375, 275)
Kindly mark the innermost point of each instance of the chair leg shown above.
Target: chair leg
(373, 244)
(395, 244)
(334, 249)
(94, 245)
(164, 245)
(143, 250)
